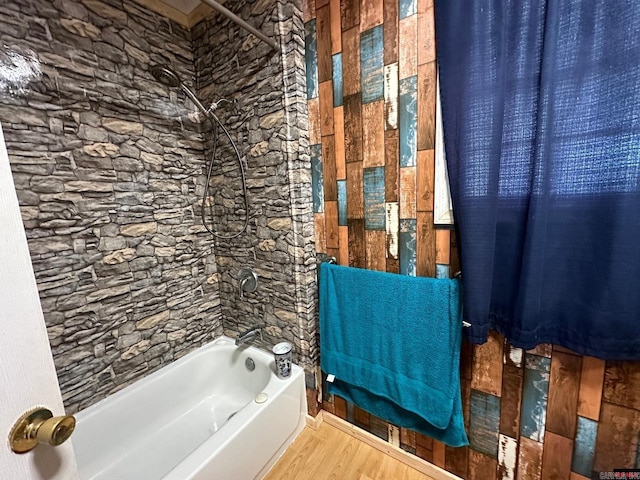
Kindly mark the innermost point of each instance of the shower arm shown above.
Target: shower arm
(233, 17)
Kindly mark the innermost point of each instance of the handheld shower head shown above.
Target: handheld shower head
(165, 75)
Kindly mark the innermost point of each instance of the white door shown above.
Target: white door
(27, 374)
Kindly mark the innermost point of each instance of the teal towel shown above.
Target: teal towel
(393, 343)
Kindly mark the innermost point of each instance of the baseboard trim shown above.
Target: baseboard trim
(417, 463)
(314, 422)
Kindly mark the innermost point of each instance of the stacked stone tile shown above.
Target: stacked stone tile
(268, 120)
(108, 167)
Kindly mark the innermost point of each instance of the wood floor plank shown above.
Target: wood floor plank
(330, 454)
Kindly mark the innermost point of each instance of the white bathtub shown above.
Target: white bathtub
(195, 419)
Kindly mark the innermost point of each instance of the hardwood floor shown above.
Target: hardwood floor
(330, 454)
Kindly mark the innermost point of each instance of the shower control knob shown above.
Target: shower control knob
(247, 280)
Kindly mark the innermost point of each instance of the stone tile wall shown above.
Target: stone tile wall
(267, 117)
(108, 167)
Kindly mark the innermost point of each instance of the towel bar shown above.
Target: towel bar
(326, 258)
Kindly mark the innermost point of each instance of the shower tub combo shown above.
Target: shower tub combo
(218, 413)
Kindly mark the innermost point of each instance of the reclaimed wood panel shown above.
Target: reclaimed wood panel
(443, 239)
(338, 128)
(408, 439)
(332, 237)
(371, 14)
(390, 31)
(340, 407)
(622, 384)
(342, 202)
(391, 165)
(329, 169)
(484, 423)
(336, 61)
(391, 242)
(438, 454)
(513, 355)
(507, 458)
(454, 262)
(584, 446)
(309, 10)
(556, 457)
(534, 397)
(466, 359)
(373, 134)
(394, 435)
(323, 35)
(378, 427)
(487, 365)
(425, 182)
(512, 379)
(426, 248)
(407, 8)
(375, 250)
(408, 50)
(424, 453)
(326, 108)
(481, 466)
(456, 460)
(349, 14)
(575, 476)
(544, 350)
(391, 85)
(529, 459)
(355, 193)
(408, 247)
(352, 129)
(465, 392)
(321, 244)
(351, 61)
(343, 259)
(427, 38)
(591, 383)
(361, 418)
(317, 188)
(313, 106)
(350, 410)
(564, 383)
(408, 121)
(374, 205)
(336, 29)
(311, 58)
(617, 439)
(408, 192)
(442, 271)
(424, 441)
(357, 254)
(372, 65)
(427, 106)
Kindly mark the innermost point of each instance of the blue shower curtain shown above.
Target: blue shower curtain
(541, 111)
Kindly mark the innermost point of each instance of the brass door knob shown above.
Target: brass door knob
(40, 426)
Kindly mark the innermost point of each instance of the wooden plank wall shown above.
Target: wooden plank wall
(541, 414)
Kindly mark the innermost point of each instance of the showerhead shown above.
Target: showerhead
(165, 75)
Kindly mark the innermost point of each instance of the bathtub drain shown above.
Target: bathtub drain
(250, 364)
